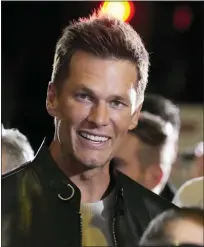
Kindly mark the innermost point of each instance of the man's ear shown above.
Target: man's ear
(135, 118)
(51, 100)
(153, 176)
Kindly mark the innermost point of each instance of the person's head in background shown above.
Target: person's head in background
(170, 113)
(175, 227)
(16, 149)
(190, 194)
(164, 108)
(142, 154)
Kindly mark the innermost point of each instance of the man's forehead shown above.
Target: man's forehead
(102, 77)
(91, 65)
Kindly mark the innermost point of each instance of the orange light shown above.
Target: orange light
(120, 10)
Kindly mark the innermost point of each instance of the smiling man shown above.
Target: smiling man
(70, 195)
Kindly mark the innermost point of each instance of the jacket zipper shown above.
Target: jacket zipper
(114, 232)
(81, 231)
(115, 243)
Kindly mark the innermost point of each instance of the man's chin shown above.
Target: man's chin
(92, 164)
(92, 159)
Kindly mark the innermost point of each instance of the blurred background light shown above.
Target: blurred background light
(120, 10)
(182, 18)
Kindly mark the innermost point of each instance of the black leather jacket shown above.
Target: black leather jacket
(168, 192)
(40, 207)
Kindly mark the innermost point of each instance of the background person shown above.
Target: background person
(16, 149)
(143, 152)
(169, 112)
(175, 227)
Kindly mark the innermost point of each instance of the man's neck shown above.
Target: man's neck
(93, 183)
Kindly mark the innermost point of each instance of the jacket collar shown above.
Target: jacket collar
(129, 194)
(59, 183)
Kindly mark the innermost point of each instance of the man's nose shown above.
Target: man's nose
(99, 115)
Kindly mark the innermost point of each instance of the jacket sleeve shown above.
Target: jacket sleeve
(156, 204)
(8, 208)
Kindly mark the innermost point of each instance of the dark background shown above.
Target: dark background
(29, 34)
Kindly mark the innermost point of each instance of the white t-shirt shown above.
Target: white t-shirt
(97, 221)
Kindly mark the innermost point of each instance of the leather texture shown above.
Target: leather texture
(40, 207)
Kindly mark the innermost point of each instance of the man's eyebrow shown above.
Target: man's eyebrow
(88, 90)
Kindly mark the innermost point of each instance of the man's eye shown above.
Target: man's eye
(83, 97)
(116, 104)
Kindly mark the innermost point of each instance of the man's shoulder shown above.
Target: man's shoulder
(152, 202)
(25, 169)
(155, 202)
(142, 205)
(13, 177)
(13, 185)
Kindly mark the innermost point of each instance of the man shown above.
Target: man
(169, 112)
(141, 155)
(69, 195)
(16, 149)
(175, 227)
(160, 118)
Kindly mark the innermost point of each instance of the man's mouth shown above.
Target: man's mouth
(94, 138)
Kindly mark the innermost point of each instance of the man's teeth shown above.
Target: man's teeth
(94, 138)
